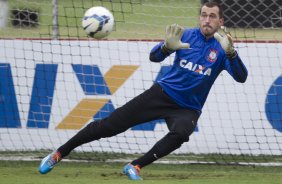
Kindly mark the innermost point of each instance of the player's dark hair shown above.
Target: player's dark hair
(213, 4)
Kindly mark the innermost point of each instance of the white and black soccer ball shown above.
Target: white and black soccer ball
(98, 22)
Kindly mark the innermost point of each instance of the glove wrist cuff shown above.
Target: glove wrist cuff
(165, 50)
(232, 55)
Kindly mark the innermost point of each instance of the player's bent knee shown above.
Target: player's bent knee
(182, 136)
(178, 137)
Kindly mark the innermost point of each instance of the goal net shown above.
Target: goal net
(54, 80)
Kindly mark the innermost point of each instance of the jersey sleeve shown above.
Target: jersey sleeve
(158, 53)
(236, 69)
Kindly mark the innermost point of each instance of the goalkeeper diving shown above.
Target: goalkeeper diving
(201, 54)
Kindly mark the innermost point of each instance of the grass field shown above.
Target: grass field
(14, 172)
(135, 19)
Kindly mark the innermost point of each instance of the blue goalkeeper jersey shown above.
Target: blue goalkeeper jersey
(194, 70)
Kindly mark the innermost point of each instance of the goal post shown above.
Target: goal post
(53, 83)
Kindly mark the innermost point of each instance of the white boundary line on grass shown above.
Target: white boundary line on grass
(19, 158)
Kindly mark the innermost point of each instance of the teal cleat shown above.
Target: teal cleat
(49, 162)
(132, 172)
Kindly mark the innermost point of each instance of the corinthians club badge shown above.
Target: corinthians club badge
(212, 56)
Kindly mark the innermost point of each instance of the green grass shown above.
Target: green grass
(135, 19)
(223, 159)
(15, 172)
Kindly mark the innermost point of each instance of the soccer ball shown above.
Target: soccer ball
(98, 22)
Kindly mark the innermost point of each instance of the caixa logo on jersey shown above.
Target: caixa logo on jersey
(92, 82)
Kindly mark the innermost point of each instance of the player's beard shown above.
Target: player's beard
(208, 31)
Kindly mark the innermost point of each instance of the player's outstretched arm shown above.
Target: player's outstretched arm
(172, 43)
